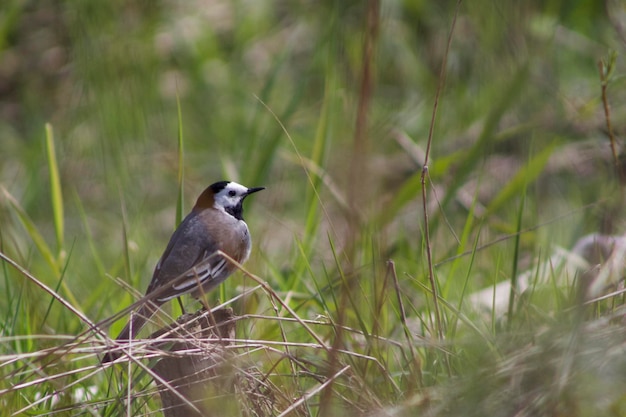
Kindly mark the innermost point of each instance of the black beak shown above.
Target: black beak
(254, 190)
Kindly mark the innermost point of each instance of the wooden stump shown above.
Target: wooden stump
(198, 374)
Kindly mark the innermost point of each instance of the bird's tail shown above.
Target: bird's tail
(137, 320)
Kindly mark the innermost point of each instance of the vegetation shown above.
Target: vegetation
(359, 297)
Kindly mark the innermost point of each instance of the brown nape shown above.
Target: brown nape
(206, 200)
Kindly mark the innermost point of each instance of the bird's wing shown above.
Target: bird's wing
(156, 282)
(192, 262)
(207, 272)
(189, 247)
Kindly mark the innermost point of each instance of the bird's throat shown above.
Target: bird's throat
(235, 211)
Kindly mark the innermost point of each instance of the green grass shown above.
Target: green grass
(115, 115)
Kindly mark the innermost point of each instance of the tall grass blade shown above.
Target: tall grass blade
(463, 244)
(55, 187)
(180, 201)
(322, 134)
(56, 289)
(40, 243)
(262, 144)
(125, 239)
(33, 232)
(518, 184)
(478, 150)
(518, 237)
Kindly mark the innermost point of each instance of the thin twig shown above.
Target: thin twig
(313, 392)
(275, 296)
(429, 256)
(605, 69)
(92, 326)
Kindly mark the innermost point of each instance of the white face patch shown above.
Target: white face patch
(230, 196)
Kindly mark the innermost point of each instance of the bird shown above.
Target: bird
(192, 261)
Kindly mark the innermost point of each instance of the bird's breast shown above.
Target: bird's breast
(230, 235)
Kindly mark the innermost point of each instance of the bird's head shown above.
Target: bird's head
(226, 196)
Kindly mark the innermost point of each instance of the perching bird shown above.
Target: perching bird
(190, 263)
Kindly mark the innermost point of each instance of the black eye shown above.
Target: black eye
(232, 193)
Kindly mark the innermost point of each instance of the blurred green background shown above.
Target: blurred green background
(520, 118)
(521, 77)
